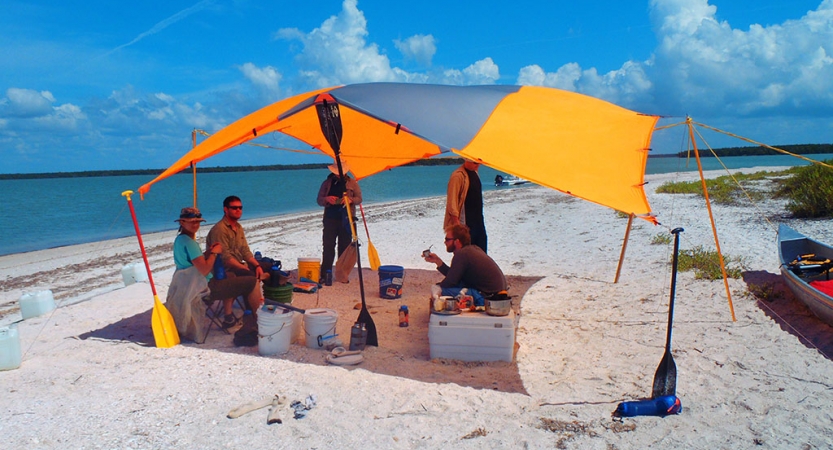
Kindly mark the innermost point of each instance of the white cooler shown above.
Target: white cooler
(472, 336)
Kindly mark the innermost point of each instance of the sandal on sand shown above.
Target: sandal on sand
(347, 360)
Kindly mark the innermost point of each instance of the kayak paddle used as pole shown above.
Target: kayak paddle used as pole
(329, 118)
(665, 378)
(162, 323)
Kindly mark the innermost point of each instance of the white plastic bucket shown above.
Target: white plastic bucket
(33, 304)
(133, 273)
(274, 330)
(319, 322)
(9, 348)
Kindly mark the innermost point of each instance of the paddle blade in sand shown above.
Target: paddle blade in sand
(372, 254)
(665, 378)
(162, 323)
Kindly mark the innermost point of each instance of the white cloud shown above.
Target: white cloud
(66, 117)
(23, 103)
(628, 85)
(564, 78)
(484, 71)
(705, 65)
(421, 48)
(338, 53)
(27, 109)
(266, 80)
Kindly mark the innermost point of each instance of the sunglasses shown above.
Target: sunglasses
(236, 207)
(449, 239)
(190, 216)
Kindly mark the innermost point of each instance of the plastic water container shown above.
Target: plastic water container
(319, 322)
(10, 355)
(33, 304)
(274, 330)
(133, 273)
(660, 406)
(391, 279)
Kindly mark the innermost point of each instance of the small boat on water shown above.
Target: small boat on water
(509, 180)
(805, 266)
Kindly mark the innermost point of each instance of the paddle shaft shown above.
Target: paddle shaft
(127, 194)
(364, 221)
(676, 232)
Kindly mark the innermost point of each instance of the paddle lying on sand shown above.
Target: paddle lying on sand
(665, 378)
(329, 118)
(162, 323)
(372, 254)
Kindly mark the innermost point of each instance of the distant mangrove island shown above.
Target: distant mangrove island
(799, 149)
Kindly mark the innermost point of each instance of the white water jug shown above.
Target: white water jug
(33, 304)
(9, 348)
(133, 273)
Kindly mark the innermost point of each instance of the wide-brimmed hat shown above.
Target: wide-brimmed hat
(190, 214)
(334, 168)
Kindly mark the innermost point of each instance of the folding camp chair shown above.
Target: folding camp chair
(214, 313)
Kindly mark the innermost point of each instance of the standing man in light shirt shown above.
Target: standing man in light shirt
(464, 202)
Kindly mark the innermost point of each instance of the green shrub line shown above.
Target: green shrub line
(706, 264)
(661, 239)
(723, 189)
(808, 189)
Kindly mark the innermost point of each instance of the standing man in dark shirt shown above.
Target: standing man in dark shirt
(336, 224)
(464, 202)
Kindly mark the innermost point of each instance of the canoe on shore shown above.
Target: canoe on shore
(805, 266)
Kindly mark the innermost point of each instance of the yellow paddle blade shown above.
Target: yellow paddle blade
(163, 325)
(373, 256)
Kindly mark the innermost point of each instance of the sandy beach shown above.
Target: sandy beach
(92, 378)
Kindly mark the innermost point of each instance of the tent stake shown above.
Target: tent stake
(624, 247)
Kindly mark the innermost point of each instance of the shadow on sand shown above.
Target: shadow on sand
(778, 302)
(402, 352)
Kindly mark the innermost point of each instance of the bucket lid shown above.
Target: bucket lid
(321, 312)
(308, 259)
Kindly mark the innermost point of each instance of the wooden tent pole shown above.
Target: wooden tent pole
(711, 216)
(624, 247)
(194, 165)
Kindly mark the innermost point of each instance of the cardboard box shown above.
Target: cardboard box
(472, 336)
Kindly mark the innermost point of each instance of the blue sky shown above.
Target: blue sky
(99, 85)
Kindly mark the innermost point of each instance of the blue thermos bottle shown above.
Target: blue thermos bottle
(219, 269)
(660, 406)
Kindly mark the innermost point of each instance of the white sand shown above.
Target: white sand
(585, 343)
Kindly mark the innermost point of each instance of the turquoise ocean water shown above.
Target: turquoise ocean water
(46, 213)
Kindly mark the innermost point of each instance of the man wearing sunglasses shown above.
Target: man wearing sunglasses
(471, 267)
(238, 259)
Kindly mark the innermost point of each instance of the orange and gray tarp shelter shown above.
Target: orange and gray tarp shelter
(573, 143)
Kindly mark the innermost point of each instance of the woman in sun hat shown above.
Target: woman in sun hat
(189, 284)
(189, 257)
